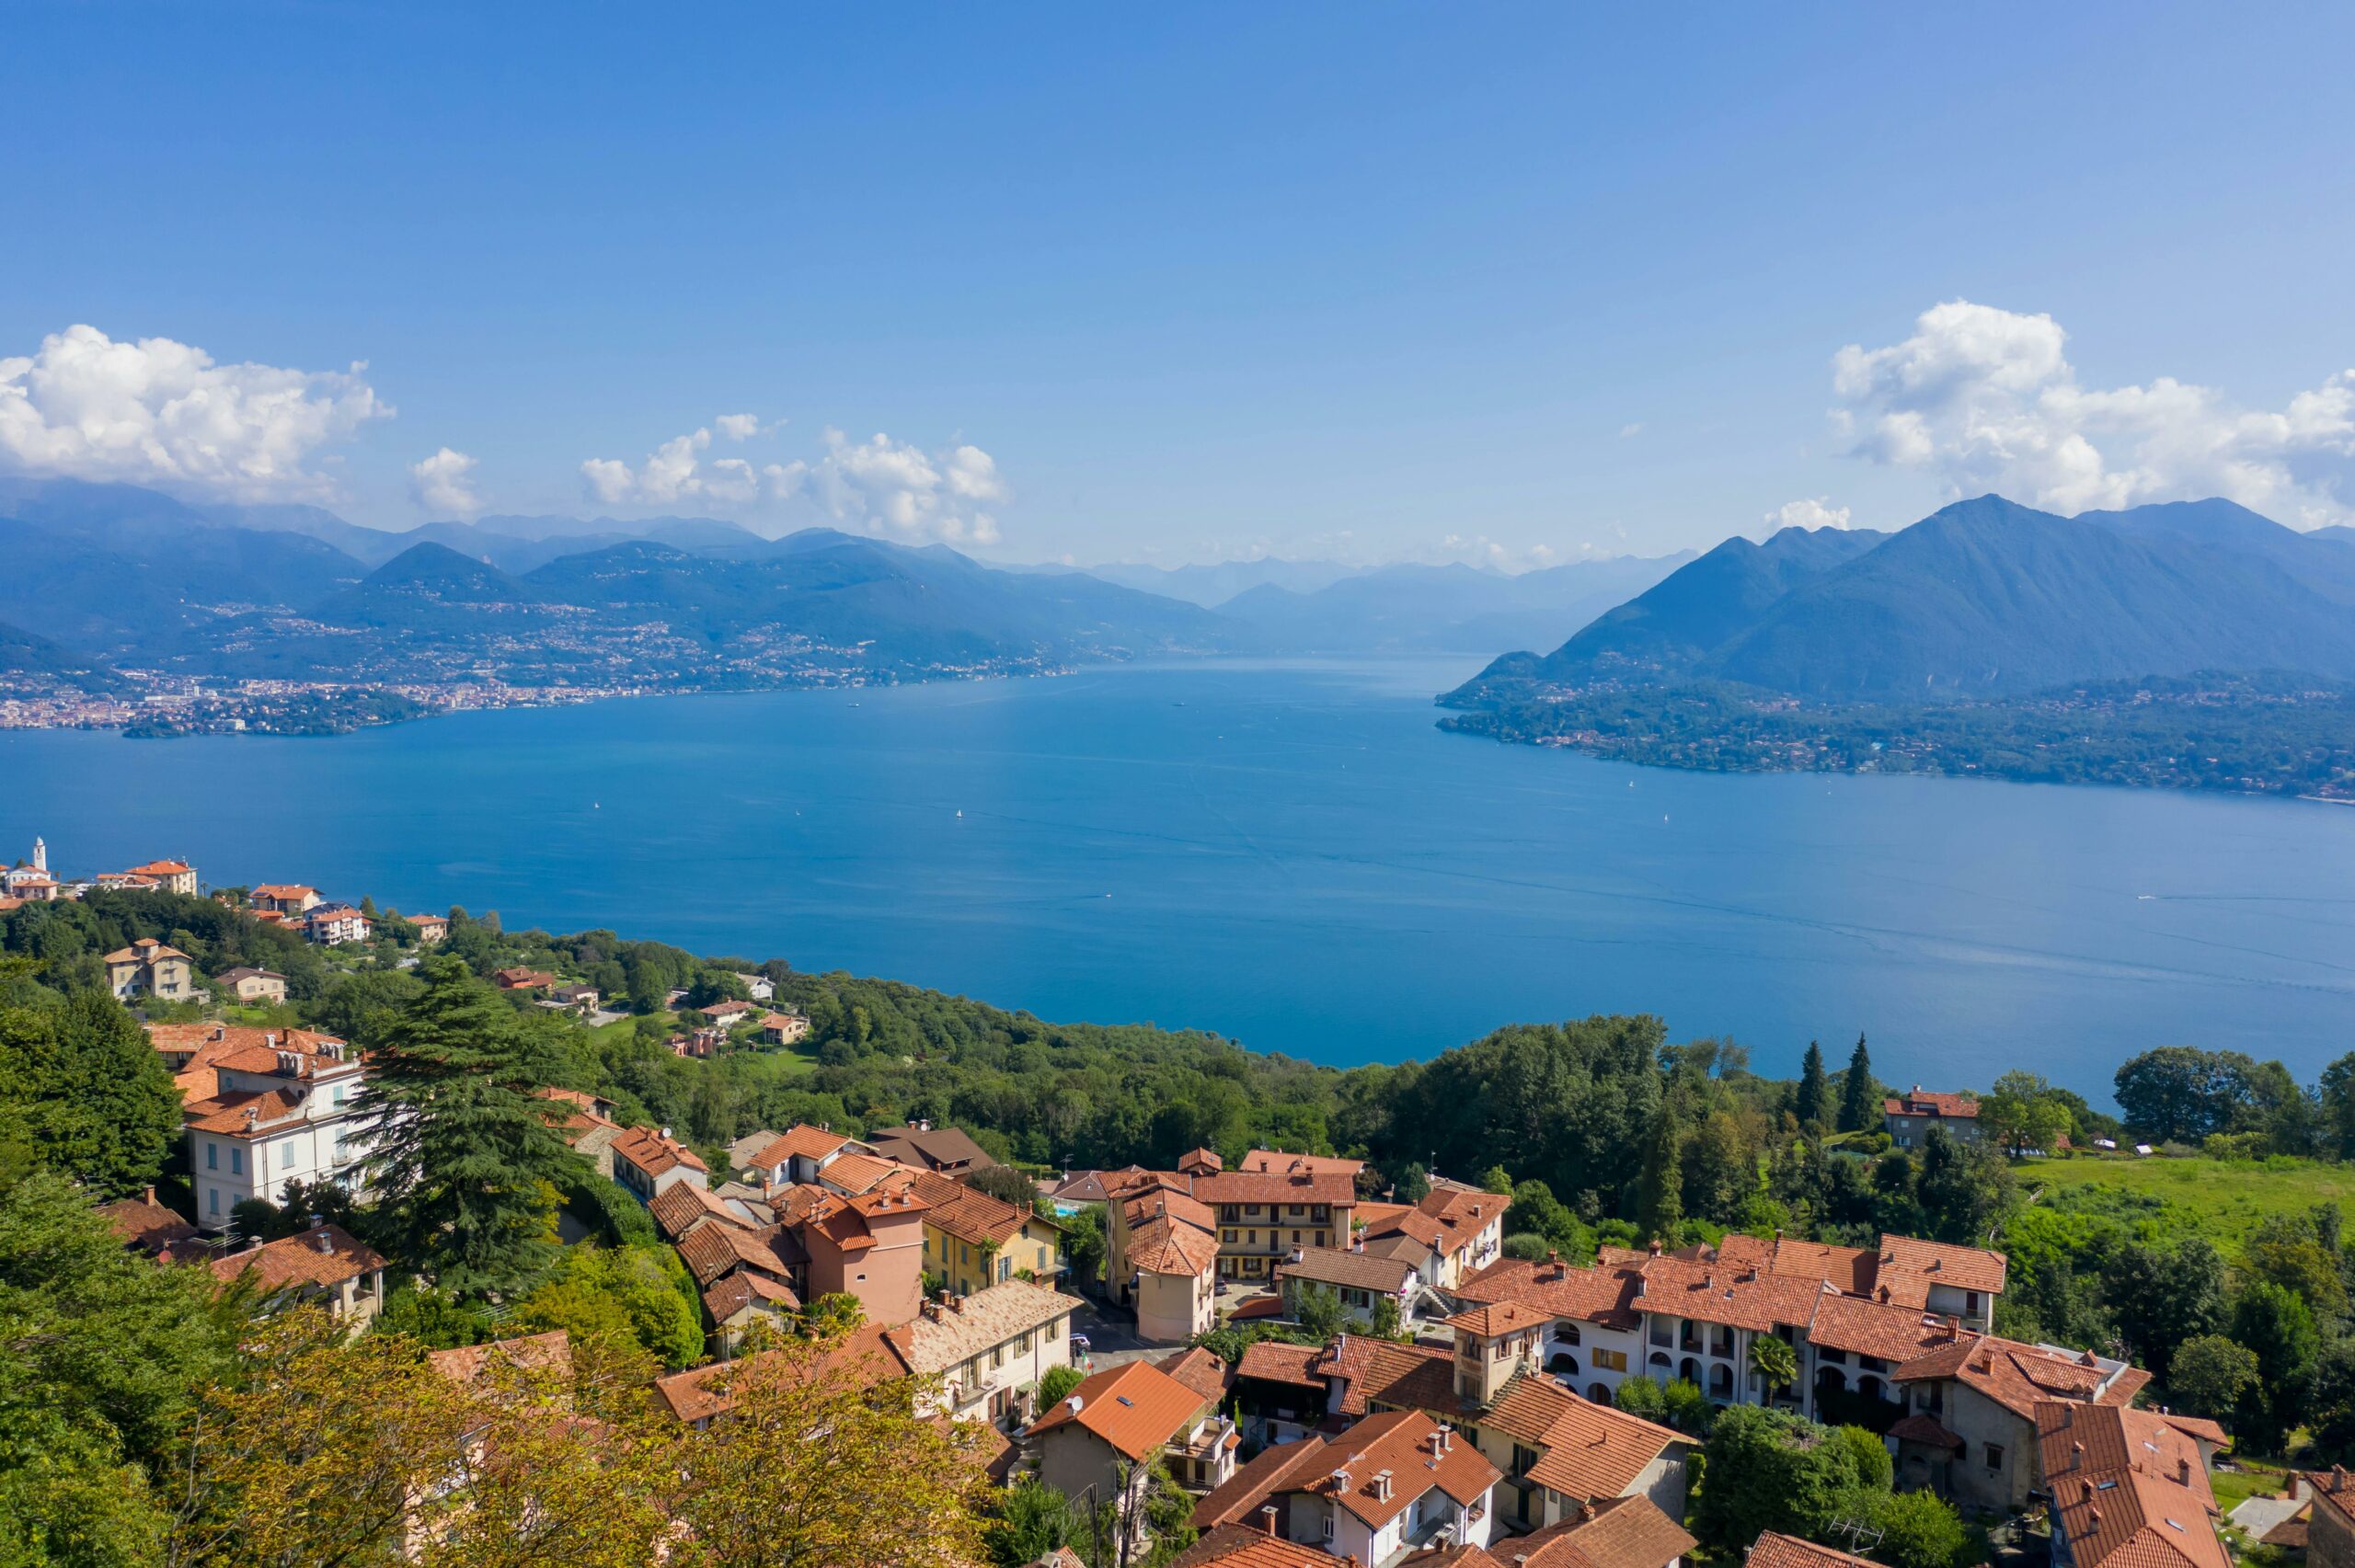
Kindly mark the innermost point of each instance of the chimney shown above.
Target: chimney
(1439, 1440)
(1586, 1511)
(2093, 1515)
(1268, 1518)
(1340, 1478)
(1655, 1246)
(148, 1193)
(2076, 1454)
(2183, 1472)
(326, 1242)
(1381, 1486)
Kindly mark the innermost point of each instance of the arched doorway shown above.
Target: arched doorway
(1721, 1381)
(1689, 1370)
(1562, 1363)
(1598, 1393)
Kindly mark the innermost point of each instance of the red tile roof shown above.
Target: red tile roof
(1924, 1428)
(1909, 1266)
(969, 1215)
(323, 1255)
(1136, 1408)
(549, 1352)
(2128, 1488)
(1773, 1549)
(1415, 1452)
(1604, 1296)
(1167, 1246)
(1200, 1370)
(1869, 1328)
(1277, 1187)
(806, 1142)
(1276, 1362)
(1322, 1164)
(1239, 1498)
(866, 1358)
(647, 1149)
(1921, 1101)
(1234, 1546)
(143, 1222)
(2016, 1376)
(1358, 1271)
(1615, 1532)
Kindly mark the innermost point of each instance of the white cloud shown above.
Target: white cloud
(439, 484)
(159, 412)
(1479, 550)
(897, 488)
(1629, 432)
(678, 470)
(879, 485)
(1987, 399)
(1816, 512)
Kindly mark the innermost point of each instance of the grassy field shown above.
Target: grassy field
(2222, 1201)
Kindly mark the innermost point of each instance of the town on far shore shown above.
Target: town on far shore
(1259, 1357)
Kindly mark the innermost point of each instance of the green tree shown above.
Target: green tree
(1320, 1310)
(2286, 1249)
(1057, 1385)
(1388, 1322)
(2159, 1297)
(1814, 1108)
(87, 1093)
(633, 1293)
(836, 1313)
(1659, 1186)
(1776, 1364)
(1961, 1187)
(1770, 1469)
(2336, 1093)
(2274, 1324)
(2211, 1375)
(1859, 1096)
(1642, 1395)
(2022, 1113)
(2181, 1094)
(1918, 1529)
(1030, 1521)
(463, 1157)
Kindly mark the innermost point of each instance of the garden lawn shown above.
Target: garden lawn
(2223, 1200)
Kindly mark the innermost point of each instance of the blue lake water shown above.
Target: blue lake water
(1291, 854)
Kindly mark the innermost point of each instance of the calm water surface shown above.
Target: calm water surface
(1290, 854)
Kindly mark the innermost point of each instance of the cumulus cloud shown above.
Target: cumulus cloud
(1816, 512)
(159, 412)
(439, 484)
(1479, 550)
(1987, 399)
(898, 488)
(678, 470)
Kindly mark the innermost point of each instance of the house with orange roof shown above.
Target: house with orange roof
(431, 929)
(1464, 1228)
(1909, 1117)
(1358, 1279)
(972, 1241)
(284, 898)
(1264, 1214)
(1973, 1416)
(171, 875)
(784, 1028)
(323, 1265)
(1774, 1550)
(247, 984)
(264, 1108)
(332, 925)
(791, 1157)
(869, 1245)
(2127, 1489)
(1266, 1160)
(149, 968)
(586, 1123)
(1232, 1546)
(647, 1159)
(866, 1358)
(1391, 1483)
(1105, 1432)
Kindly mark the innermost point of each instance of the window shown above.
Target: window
(286, 1155)
(1022, 1343)
(1971, 1302)
(1994, 1456)
(1566, 1333)
(236, 1160)
(212, 1156)
(1298, 1210)
(1609, 1361)
(1329, 1527)
(1227, 1236)
(1320, 1238)
(214, 1197)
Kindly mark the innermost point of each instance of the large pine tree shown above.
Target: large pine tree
(1815, 1089)
(1659, 1189)
(464, 1161)
(1858, 1111)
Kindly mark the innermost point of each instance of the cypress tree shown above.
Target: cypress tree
(1815, 1089)
(1857, 1111)
(1659, 1189)
(464, 1162)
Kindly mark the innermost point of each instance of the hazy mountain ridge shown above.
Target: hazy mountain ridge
(1983, 598)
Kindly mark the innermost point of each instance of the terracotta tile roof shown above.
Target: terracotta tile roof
(1203, 1371)
(1921, 1101)
(1501, 1317)
(1373, 1214)
(857, 1174)
(794, 1204)
(1237, 1499)
(1277, 1187)
(1167, 1246)
(745, 1288)
(1909, 1266)
(2200, 1427)
(246, 1113)
(1358, 1271)
(1774, 1549)
(647, 1149)
(968, 1215)
(2016, 1376)
(1414, 1225)
(1275, 1362)
(1850, 1269)
(1461, 1212)
(1233, 1546)
(2334, 1489)
(1322, 1164)
(1623, 1532)
(1869, 1328)
(1604, 1296)
(282, 891)
(1345, 1361)
(724, 1010)
(1398, 1249)
(146, 950)
(549, 1352)
(1136, 1408)
(714, 1250)
(161, 869)
(1924, 1428)
(323, 1255)
(204, 1044)
(865, 1357)
(1140, 1208)
(144, 1223)
(2128, 1488)
(1454, 1557)
(1407, 1376)
(939, 1338)
(1586, 1449)
(1410, 1446)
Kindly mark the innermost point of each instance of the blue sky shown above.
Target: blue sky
(1484, 282)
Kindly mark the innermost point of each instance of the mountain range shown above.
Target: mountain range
(113, 575)
(1984, 598)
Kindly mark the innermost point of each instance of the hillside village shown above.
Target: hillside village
(1277, 1360)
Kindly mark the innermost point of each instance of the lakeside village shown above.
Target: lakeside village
(1263, 1364)
(184, 705)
